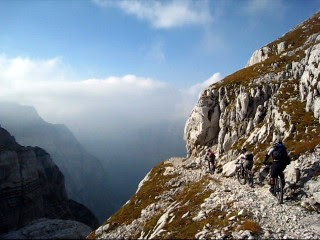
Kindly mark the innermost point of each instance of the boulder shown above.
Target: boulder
(229, 169)
(259, 56)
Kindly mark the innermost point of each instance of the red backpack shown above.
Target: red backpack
(212, 156)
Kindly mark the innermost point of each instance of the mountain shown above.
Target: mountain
(84, 174)
(132, 154)
(32, 187)
(276, 95)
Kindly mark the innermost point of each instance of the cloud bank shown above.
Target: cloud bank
(164, 14)
(110, 102)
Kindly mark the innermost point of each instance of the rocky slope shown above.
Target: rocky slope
(179, 199)
(32, 187)
(276, 94)
(50, 229)
(84, 174)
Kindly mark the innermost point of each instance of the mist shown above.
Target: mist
(129, 122)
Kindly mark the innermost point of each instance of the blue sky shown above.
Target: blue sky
(98, 38)
(162, 48)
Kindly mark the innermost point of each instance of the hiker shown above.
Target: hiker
(246, 158)
(280, 161)
(210, 157)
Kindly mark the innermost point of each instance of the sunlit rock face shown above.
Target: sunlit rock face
(277, 94)
(31, 187)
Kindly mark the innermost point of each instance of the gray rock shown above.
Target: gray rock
(50, 229)
(32, 187)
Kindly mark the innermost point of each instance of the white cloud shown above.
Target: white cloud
(93, 105)
(197, 88)
(164, 14)
(45, 85)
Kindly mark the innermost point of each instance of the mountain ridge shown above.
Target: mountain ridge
(84, 174)
(32, 187)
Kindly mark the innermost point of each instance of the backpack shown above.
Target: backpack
(249, 156)
(212, 156)
(280, 153)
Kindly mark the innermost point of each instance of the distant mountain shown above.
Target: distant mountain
(132, 152)
(85, 177)
(32, 187)
(277, 95)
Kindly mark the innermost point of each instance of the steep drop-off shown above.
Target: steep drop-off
(84, 174)
(32, 187)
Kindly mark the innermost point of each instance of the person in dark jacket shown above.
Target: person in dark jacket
(280, 159)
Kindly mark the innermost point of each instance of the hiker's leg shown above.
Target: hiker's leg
(281, 174)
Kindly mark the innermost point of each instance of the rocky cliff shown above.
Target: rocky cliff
(276, 95)
(32, 187)
(84, 174)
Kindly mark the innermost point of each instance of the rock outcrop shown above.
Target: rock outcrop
(84, 174)
(276, 95)
(50, 229)
(32, 187)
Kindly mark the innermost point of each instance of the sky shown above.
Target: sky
(111, 62)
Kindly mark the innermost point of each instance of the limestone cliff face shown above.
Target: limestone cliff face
(84, 174)
(31, 186)
(277, 94)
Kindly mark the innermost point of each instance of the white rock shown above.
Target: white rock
(185, 215)
(145, 179)
(258, 56)
(99, 231)
(229, 169)
(241, 212)
(281, 47)
(169, 171)
(201, 215)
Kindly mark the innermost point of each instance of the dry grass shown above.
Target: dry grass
(253, 227)
(92, 235)
(150, 224)
(295, 39)
(189, 200)
(299, 141)
(299, 36)
(144, 197)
